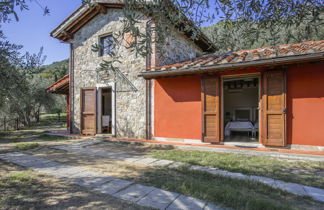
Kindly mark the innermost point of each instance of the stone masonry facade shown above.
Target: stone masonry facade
(130, 98)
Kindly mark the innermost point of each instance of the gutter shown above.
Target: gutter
(230, 66)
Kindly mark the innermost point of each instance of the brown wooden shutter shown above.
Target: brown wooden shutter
(274, 108)
(88, 111)
(210, 109)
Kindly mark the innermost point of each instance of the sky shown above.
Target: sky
(33, 28)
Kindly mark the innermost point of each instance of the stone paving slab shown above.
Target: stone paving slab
(210, 206)
(114, 186)
(161, 163)
(315, 193)
(177, 165)
(187, 203)
(159, 199)
(88, 142)
(74, 172)
(57, 170)
(29, 163)
(134, 192)
(213, 171)
(91, 182)
(264, 180)
(120, 156)
(146, 161)
(297, 189)
(133, 159)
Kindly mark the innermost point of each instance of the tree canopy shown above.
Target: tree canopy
(23, 78)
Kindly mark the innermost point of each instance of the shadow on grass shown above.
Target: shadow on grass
(27, 190)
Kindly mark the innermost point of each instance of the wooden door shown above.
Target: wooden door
(274, 108)
(88, 111)
(210, 109)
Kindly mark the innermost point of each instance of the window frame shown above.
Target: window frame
(100, 41)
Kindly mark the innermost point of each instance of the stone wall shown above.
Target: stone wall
(177, 48)
(130, 95)
(130, 91)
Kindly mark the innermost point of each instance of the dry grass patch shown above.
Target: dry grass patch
(133, 148)
(109, 167)
(24, 189)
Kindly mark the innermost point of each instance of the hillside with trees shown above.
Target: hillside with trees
(231, 35)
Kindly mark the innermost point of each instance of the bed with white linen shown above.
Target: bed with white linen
(238, 126)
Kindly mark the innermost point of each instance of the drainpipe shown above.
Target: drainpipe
(71, 85)
(148, 88)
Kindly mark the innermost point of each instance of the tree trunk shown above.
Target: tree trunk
(38, 114)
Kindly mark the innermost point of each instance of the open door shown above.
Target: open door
(88, 111)
(274, 108)
(210, 109)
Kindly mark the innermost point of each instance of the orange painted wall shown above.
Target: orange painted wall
(177, 107)
(305, 103)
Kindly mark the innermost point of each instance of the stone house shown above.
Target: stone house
(126, 102)
(271, 96)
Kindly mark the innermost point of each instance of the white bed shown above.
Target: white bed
(238, 126)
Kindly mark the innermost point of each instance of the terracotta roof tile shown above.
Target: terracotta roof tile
(283, 50)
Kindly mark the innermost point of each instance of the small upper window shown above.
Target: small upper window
(106, 45)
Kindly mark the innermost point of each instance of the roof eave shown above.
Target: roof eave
(77, 19)
(86, 12)
(229, 66)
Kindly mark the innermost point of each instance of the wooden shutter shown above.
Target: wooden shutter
(274, 108)
(210, 109)
(88, 111)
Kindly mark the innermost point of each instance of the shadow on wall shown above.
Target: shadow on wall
(75, 129)
(124, 129)
(181, 89)
(305, 104)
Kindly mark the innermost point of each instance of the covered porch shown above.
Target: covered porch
(62, 87)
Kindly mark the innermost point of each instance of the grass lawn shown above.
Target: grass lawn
(33, 137)
(25, 189)
(229, 192)
(304, 172)
(28, 136)
(26, 146)
(51, 119)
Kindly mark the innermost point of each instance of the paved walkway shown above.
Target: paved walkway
(123, 189)
(270, 152)
(276, 152)
(297, 189)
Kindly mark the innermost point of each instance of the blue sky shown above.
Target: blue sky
(33, 28)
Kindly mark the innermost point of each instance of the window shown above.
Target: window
(106, 45)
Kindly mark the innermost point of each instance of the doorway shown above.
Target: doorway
(105, 107)
(241, 96)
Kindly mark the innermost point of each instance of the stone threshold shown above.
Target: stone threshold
(122, 189)
(297, 189)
